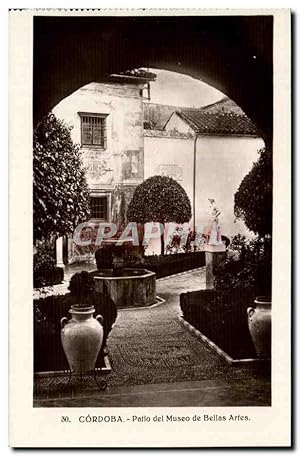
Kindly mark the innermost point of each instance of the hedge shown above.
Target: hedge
(46, 277)
(222, 317)
(165, 265)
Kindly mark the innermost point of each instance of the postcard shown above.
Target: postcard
(150, 228)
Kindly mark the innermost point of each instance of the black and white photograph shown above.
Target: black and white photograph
(154, 217)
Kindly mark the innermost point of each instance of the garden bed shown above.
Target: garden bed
(221, 318)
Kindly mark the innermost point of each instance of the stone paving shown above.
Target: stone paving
(148, 348)
(205, 393)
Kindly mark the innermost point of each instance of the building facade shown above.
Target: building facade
(207, 150)
(223, 146)
(107, 121)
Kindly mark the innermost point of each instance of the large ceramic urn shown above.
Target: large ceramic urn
(81, 338)
(259, 322)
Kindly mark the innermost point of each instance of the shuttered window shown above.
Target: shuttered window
(93, 130)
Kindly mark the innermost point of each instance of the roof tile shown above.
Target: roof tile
(218, 123)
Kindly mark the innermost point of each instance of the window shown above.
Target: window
(99, 207)
(93, 130)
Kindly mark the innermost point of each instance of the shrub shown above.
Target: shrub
(82, 286)
(253, 268)
(165, 265)
(44, 270)
(159, 199)
(48, 277)
(188, 239)
(60, 192)
(253, 200)
(107, 252)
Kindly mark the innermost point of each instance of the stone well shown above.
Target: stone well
(130, 288)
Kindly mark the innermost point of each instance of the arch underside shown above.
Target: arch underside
(231, 53)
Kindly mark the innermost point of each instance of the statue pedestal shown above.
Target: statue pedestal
(214, 257)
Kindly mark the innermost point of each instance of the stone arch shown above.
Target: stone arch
(231, 53)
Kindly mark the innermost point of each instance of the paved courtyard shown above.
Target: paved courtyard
(154, 357)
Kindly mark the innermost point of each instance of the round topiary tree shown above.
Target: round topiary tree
(60, 191)
(159, 199)
(253, 200)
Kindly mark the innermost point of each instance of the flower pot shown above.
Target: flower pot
(81, 338)
(259, 323)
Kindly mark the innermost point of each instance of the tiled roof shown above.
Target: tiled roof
(217, 123)
(223, 105)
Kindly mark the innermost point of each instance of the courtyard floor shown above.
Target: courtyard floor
(154, 359)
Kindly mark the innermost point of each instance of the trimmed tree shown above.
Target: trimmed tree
(159, 199)
(60, 191)
(253, 200)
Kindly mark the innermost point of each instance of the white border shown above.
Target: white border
(35, 427)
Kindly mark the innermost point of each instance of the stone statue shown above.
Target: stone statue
(215, 229)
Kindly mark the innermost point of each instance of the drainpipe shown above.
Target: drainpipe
(194, 180)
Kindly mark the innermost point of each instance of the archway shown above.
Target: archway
(232, 53)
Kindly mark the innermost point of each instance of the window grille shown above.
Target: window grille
(99, 207)
(93, 130)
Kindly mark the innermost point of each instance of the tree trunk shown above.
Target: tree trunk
(162, 243)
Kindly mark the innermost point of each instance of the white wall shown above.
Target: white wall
(175, 123)
(172, 156)
(221, 164)
(124, 108)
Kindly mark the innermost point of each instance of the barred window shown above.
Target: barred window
(99, 207)
(93, 130)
